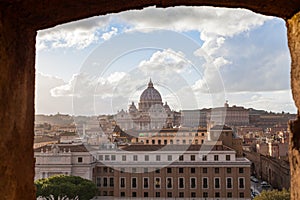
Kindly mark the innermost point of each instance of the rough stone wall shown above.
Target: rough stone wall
(19, 20)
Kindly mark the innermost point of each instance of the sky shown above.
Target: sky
(197, 57)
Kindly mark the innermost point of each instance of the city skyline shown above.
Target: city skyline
(253, 63)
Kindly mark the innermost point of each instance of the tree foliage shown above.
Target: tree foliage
(273, 195)
(61, 186)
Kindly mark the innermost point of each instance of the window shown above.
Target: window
(104, 182)
(165, 142)
(157, 194)
(105, 169)
(193, 194)
(183, 141)
(196, 141)
(204, 170)
(133, 182)
(190, 141)
(193, 182)
(216, 157)
(157, 157)
(169, 183)
(180, 170)
(181, 158)
(134, 170)
(111, 182)
(181, 194)
(146, 182)
(227, 157)
(217, 183)
(147, 141)
(122, 170)
(171, 141)
(133, 194)
(157, 171)
(123, 157)
(111, 193)
(122, 182)
(169, 157)
(169, 170)
(135, 158)
(229, 170)
(146, 157)
(98, 181)
(113, 157)
(228, 183)
(242, 195)
(205, 194)
(122, 194)
(193, 157)
(217, 194)
(153, 141)
(193, 170)
(241, 183)
(229, 194)
(241, 170)
(217, 170)
(157, 182)
(181, 182)
(106, 157)
(205, 182)
(111, 170)
(145, 170)
(204, 158)
(146, 194)
(169, 194)
(104, 193)
(159, 141)
(100, 157)
(80, 159)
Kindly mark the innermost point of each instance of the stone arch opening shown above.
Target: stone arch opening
(18, 25)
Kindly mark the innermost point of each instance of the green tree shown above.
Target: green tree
(60, 186)
(273, 195)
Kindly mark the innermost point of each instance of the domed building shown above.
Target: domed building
(151, 113)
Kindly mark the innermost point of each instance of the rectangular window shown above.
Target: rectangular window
(157, 194)
(204, 158)
(193, 194)
(157, 170)
(113, 157)
(193, 182)
(146, 157)
(104, 182)
(205, 183)
(133, 194)
(242, 195)
(122, 194)
(169, 194)
(217, 194)
(229, 194)
(181, 182)
(180, 170)
(106, 157)
(193, 170)
(98, 181)
(122, 182)
(169, 183)
(204, 170)
(123, 157)
(100, 157)
(157, 182)
(216, 157)
(146, 183)
(146, 194)
(229, 183)
(157, 157)
(217, 170)
(133, 182)
(227, 157)
(145, 170)
(217, 183)
(169, 170)
(205, 194)
(193, 157)
(122, 170)
(80, 159)
(134, 170)
(181, 194)
(228, 170)
(241, 170)
(111, 182)
(181, 158)
(105, 169)
(169, 157)
(135, 158)
(241, 183)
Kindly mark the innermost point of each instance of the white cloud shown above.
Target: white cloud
(108, 35)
